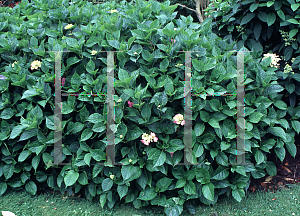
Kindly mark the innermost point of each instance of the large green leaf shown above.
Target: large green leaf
(190, 188)
(71, 178)
(292, 149)
(247, 18)
(238, 194)
(208, 191)
(31, 187)
(107, 184)
(147, 194)
(277, 131)
(122, 190)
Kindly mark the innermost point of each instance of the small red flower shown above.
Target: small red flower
(130, 103)
(63, 81)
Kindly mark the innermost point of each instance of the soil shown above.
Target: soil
(288, 172)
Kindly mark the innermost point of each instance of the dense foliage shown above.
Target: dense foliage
(149, 104)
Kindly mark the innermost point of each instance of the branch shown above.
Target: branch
(198, 13)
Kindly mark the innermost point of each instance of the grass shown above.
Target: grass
(259, 203)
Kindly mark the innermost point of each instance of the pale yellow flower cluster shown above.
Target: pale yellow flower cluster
(274, 59)
(120, 100)
(35, 64)
(178, 119)
(113, 11)
(130, 160)
(14, 63)
(94, 52)
(112, 176)
(69, 26)
(288, 69)
(178, 65)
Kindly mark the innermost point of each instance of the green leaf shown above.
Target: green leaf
(271, 168)
(31, 187)
(75, 81)
(90, 67)
(296, 126)
(222, 159)
(270, 3)
(103, 199)
(224, 146)
(280, 152)
(220, 173)
(292, 149)
(262, 16)
(257, 30)
(7, 113)
(28, 134)
(277, 131)
(122, 190)
(16, 131)
(253, 7)
(259, 157)
(107, 184)
(147, 194)
(71, 178)
(72, 42)
(280, 104)
(190, 188)
(239, 169)
(98, 155)
(210, 64)
(255, 117)
(295, 6)
(159, 158)
(208, 191)
(97, 169)
(95, 118)
(238, 194)
(281, 14)
(86, 134)
(293, 32)
(163, 184)
(83, 179)
(293, 21)
(214, 123)
(175, 210)
(3, 188)
(199, 129)
(29, 93)
(271, 18)
(247, 18)
(164, 64)
(24, 154)
(180, 183)
(146, 111)
(202, 176)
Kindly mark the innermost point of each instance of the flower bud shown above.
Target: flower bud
(112, 176)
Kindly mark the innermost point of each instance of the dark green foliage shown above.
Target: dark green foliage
(150, 74)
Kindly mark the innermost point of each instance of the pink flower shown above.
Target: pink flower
(130, 103)
(155, 139)
(174, 122)
(146, 143)
(183, 122)
(171, 153)
(173, 41)
(63, 81)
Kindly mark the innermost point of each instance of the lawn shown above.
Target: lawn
(281, 202)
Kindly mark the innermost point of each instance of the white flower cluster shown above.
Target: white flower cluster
(35, 64)
(178, 119)
(274, 59)
(146, 138)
